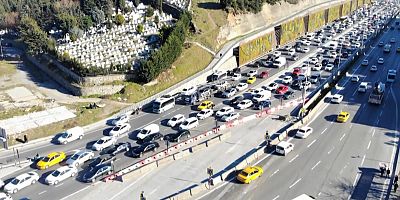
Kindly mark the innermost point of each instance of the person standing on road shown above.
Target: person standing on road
(396, 185)
(387, 172)
(396, 178)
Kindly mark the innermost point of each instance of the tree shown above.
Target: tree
(157, 4)
(66, 22)
(119, 19)
(32, 35)
(140, 28)
(85, 22)
(157, 20)
(88, 6)
(98, 16)
(149, 12)
(121, 4)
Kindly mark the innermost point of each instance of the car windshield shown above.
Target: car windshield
(15, 181)
(174, 119)
(75, 157)
(243, 173)
(116, 128)
(101, 141)
(203, 104)
(202, 112)
(302, 131)
(56, 173)
(64, 135)
(342, 115)
(46, 159)
(185, 123)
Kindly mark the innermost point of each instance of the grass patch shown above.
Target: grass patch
(7, 69)
(208, 17)
(192, 60)
(19, 112)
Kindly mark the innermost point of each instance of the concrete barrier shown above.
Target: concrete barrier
(251, 158)
(183, 195)
(132, 174)
(196, 190)
(260, 152)
(217, 180)
(181, 154)
(164, 160)
(225, 136)
(248, 118)
(148, 167)
(198, 147)
(212, 141)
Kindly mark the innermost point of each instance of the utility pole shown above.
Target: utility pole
(1, 47)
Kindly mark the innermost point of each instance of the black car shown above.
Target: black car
(100, 160)
(236, 70)
(294, 57)
(176, 137)
(144, 148)
(262, 104)
(345, 55)
(325, 62)
(153, 137)
(296, 83)
(288, 95)
(235, 101)
(97, 173)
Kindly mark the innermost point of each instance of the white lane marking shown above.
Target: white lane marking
(373, 132)
(324, 131)
(369, 144)
(355, 180)
(276, 197)
(377, 122)
(128, 187)
(294, 158)
(295, 183)
(362, 161)
(42, 192)
(351, 125)
(380, 114)
(331, 150)
(59, 185)
(341, 138)
(311, 143)
(319, 193)
(315, 165)
(274, 172)
(72, 194)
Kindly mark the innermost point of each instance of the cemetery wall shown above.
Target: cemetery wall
(167, 8)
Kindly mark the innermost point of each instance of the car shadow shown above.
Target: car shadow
(330, 118)
(232, 177)
(164, 122)
(106, 132)
(43, 177)
(193, 114)
(194, 107)
(89, 145)
(133, 135)
(54, 140)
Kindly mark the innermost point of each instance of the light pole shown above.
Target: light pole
(1, 47)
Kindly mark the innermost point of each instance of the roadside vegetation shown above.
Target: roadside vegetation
(9, 113)
(6, 68)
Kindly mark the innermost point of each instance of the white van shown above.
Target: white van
(363, 87)
(284, 147)
(279, 62)
(148, 130)
(71, 135)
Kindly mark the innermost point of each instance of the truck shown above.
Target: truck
(376, 95)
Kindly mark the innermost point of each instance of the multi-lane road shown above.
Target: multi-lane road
(339, 160)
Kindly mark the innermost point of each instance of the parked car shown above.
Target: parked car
(124, 147)
(296, 71)
(373, 68)
(80, 157)
(329, 67)
(20, 182)
(262, 104)
(381, 61)
(104, 142)
(272, 86)
(97, 173)
(61, 174)
(176, 120)
(282, 89)
(241, 86)
(148, 130)
(252, 73)
(251, 80)
(355, 78)
(206, 105)
(288, 95)
(229, 92)
(263, 74)
(120, 129)
(304, 132)
(189, 90)
(236, 77)
(249, 174)
(233, 102)
(144, 148)
(287, 79)
(101, 160)
(337, 98)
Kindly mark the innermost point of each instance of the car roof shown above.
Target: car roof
(53, 154)
(284, 144)
(249, 169)
(343, 113)
(207, 101)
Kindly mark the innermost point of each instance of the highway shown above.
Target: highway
(339, 160)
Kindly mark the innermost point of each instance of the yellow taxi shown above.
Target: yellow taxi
(50, 160)
(205, 105)
(251, 80)
(343, 116)
(249, 173)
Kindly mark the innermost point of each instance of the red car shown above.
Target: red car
(282, 89)
(296, 71)
(264, 74)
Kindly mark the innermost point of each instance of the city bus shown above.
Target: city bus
(163, 104)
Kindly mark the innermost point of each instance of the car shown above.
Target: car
(20, 182)
(236, 76)
(189, 123)
(176, 137)
(373, 68)
(120, 120)
(329, 67)
(313, 60)
(246, 103)
(277, 53)
(120, 129)
(61, 174)
(262, 104)
(305, 50)
(325, 62)
(282, 89)
(230, 117)
(364, 63)
(380, 61)
(392, 40)
(204, 114)
(1, 183)
(381, 44)
(316, 67)
(288, 95)
(251, 80)
(189, 90)
(206, 105)
(343, 117)
(138, 151)
(257, 91)
(272, 86)
(70, 135)
(304, 132)
(233, 102)
(100, 160)
(355, 78)
(50, 160)
(229, 92)
(225, 110)
(79, 158)
(287, 79)
(296, 71)
(398, 50)
(104, 142)
(315, 78)
(5, 196)
(176, 120)
(337, 98)
(294, 57)
(252, 73)
(126, 146)
(263, 74)
(242, 86)
(249, 174)
(97, 173)
(296, 83)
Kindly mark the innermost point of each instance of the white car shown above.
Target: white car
(304, 132)
(176, 120)
(380, 61)
(229, 92)
(20, 182)
(71, 135)
(225, 110)
(392, 40)
(364, 63)
(272, 86)
(189, 123)
(332, 54)
(355, 78)
(337, 98)
(230, 117)
(104, 142)
(61, 174)
(320, 50)
(257, 91)
(236, 76)
(120, 120)
(189, 91)
(329, 67)
(373, 68)
(204, 114)
(5, 196)
(313, 60)
(242, 86)
(120, 129)
(79, 158)
(317, 67)
(246, 103)
(1, 183)
(287, 79)
(306, 49)
(306, 42)
(277, 53)
(252, 73)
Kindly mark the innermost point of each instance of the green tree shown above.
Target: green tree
(140, 28)
(136, 2)
(157, 19)
(121, 5)
(119, 19)
(66, 22)
(85, 22)
(32, 35)
(149, 12)
(157, 4)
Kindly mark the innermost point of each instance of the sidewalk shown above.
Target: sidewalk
(11, 168)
